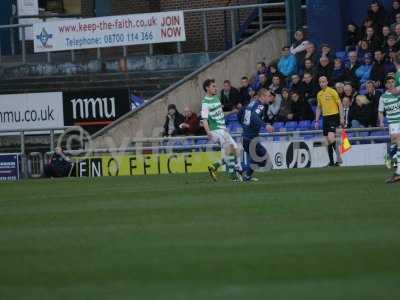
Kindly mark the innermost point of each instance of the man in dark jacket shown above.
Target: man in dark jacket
(373, 96)
(245, 91)
(230, 96)
(325, 68)
(172, 121)
(351, 68)
(381, 68)
(311, 88)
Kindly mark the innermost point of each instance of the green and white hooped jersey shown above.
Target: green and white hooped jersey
(390, 104)
(211, 109)
(397, 78)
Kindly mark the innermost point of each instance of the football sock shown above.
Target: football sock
(330, 153)
(238, 163)
(393, 151)
(231, 164)
(218, 163)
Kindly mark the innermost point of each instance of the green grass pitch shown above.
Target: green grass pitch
(298, 234)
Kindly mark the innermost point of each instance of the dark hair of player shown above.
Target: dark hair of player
(207, 83)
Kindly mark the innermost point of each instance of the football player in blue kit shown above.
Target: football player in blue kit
(252, 120)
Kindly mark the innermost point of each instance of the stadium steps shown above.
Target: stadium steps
(270, 16)
(145, 84)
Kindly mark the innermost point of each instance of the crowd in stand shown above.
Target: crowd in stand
(357, 74)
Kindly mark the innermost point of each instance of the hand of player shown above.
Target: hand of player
(316, 125)
(342, 122)
(381, 124)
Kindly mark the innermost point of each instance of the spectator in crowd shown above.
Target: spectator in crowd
(363, 72)
(230, 96)
(339, 87)
(385, 35)
(351, 67)
(324, 68)
(397, 31)
(372, 39)
(346, 111)
(352, 36)
(394, 12)
(381, 68)
(299, 45)
(373, 96)
(368, 22)
(190, 125)
(310, 54)
(327, 51)
(391, 45)
(272, 71)
(309, 67)
(287, 64)
(262, 82)
(59, 165)
(285, 111)
(377, 13)
(297, 84)
(276, 85)
(360, 112)
(245, 91)
(311, 88)
(349, 91)
(301, 109)
(273, 110)
(363, 49)
(172, 121)
(396, 21)
(338, 73)
(261, 68)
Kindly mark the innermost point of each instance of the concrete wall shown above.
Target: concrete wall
(240, 61)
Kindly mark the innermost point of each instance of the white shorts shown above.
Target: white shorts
(394, 128)
(222, 137)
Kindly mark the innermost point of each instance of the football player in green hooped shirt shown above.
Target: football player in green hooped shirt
(390, 103)
(391, 157)
(214, 124)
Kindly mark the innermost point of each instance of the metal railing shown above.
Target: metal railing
(32, 163)
(22, 133)
(231, 10)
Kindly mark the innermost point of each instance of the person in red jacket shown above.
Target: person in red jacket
(190, 125)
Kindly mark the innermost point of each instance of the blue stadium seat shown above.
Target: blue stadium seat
(291, 126)
(305, 125)
(231, 118)
(278, 126)
(364, 134)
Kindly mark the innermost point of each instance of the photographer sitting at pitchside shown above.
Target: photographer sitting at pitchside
(59, 165)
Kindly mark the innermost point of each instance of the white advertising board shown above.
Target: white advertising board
(112, 31)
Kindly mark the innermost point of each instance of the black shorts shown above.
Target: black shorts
(330, 123)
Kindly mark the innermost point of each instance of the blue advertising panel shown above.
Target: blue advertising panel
(9, 167)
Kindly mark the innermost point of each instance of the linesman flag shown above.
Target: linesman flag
(345, 145)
